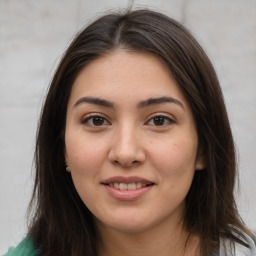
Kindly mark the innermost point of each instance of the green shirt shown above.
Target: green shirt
(25, 248)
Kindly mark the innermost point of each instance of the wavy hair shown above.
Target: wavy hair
(61, 224)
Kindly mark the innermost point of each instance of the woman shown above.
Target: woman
(134, 151)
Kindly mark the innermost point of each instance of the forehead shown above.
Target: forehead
(122, 75)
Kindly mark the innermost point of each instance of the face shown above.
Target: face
(131, 142)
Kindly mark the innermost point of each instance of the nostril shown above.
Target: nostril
(126, 163)
(116, 162)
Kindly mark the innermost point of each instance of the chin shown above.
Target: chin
(131, 228)
(129, 225)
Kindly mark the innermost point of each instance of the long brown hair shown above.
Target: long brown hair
(61, 223)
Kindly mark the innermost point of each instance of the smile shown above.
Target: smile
(129, 186)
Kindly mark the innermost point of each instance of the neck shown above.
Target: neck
(162, 241)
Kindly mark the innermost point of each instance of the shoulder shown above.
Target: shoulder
(228, 248)
(25, 248)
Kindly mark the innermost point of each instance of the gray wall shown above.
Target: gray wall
(33, 35)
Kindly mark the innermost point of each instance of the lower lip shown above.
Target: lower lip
(127, 195)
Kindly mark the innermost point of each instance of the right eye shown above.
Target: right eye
(95, 121)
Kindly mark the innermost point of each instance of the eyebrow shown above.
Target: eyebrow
(159, 100)
(142, 104)
(95, 101)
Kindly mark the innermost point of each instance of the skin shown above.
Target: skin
(128, 140)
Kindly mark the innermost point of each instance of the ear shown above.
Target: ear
(200, 165)
(200, 162)
(66, 160)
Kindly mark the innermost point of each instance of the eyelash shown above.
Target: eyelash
(167, 120)
(92, 118)
(164, 120)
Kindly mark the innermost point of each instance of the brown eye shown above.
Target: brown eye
(160, 121)
(95, 121)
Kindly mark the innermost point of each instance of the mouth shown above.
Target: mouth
(127, 186)
(127, 183)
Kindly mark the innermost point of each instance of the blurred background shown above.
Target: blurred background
(33, 36)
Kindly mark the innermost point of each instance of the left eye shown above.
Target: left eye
(160, 121)
(95, 121)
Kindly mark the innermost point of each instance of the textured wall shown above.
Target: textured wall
(33, 35)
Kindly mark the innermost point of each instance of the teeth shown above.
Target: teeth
(138, 185)
(125, 186)
(131, 186)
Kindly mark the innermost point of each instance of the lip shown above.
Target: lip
(122, 179)
(127, 195)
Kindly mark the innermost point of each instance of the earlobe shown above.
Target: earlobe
(66, 161)
(200, 166)
(200, 163)
(67, 167)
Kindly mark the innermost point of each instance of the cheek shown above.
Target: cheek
(86, 159)
(176, 171)
(85, 153)
(175, 159)
(176, 154)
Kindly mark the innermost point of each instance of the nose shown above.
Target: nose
(127, 148)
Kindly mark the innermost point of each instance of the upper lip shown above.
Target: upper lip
(122, 179)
